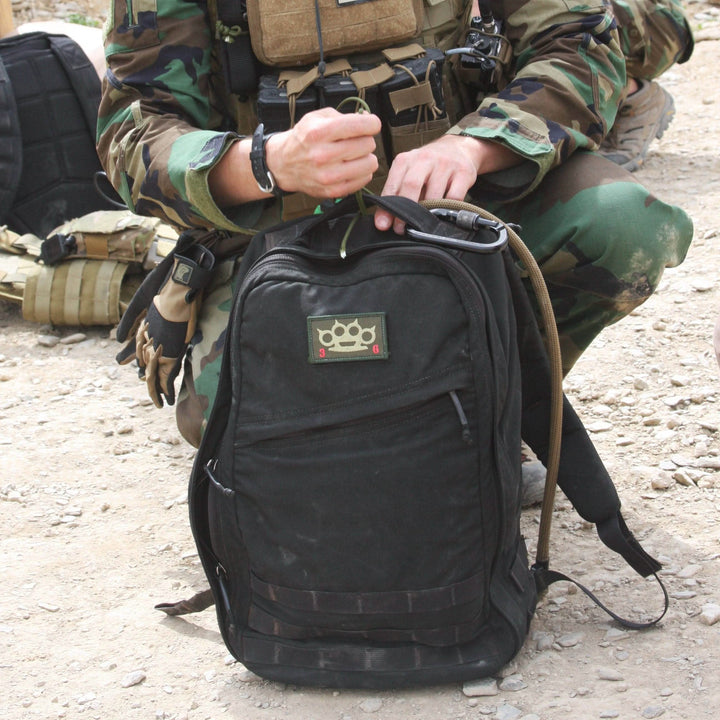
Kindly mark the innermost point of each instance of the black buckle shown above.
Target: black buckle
(56, 248)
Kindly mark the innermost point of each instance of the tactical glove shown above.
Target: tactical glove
(159, 336)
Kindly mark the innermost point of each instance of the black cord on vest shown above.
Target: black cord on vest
(321, 63)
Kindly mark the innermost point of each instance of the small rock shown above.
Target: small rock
(48, 341)
(133, 678)
(710, 614)
(673, 401)
(609, 674)
(371, 705)
(681, 477)
(507, 712)
(711, 463)
(663, 481)
(484, 687)
(609, 714)
(571, 640)
(513, 683)
(247, 676)
(652, 711)
(543, 641)
(73, 339)
(689, 571)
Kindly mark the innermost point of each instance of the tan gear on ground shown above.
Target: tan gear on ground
(81, 292)
(107, 235)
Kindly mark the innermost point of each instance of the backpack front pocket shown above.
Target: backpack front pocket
(367, 527)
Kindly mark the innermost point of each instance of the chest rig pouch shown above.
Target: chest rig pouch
(302, 31)
(308, 54)
(403, 86)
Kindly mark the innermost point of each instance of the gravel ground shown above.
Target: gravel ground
(92, 503)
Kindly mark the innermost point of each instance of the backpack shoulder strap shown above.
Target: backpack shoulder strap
(81, 74)
(11, 156)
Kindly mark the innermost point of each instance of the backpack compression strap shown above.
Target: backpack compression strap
(10, 144)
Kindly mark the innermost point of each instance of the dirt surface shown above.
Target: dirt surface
(95, 528)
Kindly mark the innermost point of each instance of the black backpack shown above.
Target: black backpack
(49, 98)
(356, 498)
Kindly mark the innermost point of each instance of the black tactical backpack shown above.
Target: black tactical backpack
(49, 98)
(356, 497)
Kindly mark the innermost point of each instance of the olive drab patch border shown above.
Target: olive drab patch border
(340, 338)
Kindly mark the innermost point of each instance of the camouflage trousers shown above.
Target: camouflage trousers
(654, 35)
(601, 239)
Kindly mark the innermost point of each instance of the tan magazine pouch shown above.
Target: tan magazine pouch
(286, 33)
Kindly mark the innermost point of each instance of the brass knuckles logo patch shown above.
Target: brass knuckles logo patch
(337, 338)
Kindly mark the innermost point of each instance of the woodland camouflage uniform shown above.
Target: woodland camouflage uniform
(601, 239)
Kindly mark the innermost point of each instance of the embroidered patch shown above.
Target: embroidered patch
(338, 338)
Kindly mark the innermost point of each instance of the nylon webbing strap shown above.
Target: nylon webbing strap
(78, 292)
(410, 97)
(344, 657)
(364, 79)
(382, 603)
(545, 577)
(407, 52)
(96, 246)
(263, 622)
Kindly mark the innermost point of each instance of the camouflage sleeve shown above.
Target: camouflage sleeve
(569, 74)
(155, 127)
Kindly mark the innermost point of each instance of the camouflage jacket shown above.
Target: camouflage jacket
(163, 116)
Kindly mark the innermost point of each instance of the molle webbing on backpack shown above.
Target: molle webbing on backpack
(50, 93)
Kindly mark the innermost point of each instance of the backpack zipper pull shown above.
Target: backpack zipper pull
(464, 424)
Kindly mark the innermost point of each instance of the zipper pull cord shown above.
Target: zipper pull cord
(466, 436)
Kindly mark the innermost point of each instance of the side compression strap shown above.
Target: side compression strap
(545, 577)
(11, 155)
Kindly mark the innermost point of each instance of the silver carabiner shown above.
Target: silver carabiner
(466, 220)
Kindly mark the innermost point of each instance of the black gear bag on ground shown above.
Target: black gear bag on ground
(356, 498)
(49, 99)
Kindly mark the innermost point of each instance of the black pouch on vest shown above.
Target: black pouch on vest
(278, 109)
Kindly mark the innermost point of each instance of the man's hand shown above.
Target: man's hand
(444, 169)
(327, 154)
(158, 337)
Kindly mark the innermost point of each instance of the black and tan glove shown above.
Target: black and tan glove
(158, 333)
